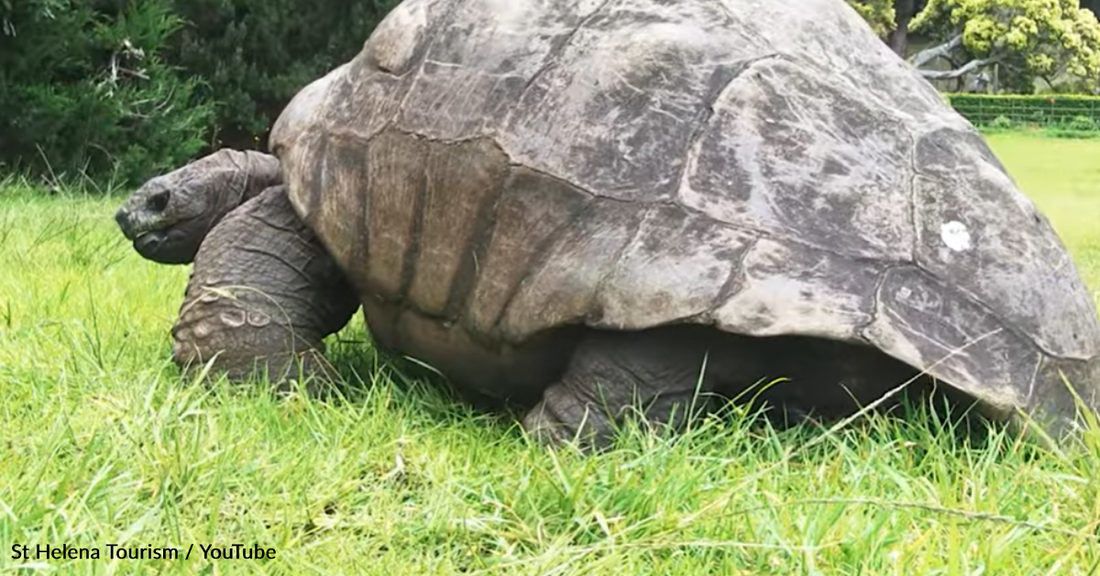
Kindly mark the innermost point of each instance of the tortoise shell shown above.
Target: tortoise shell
(488, 171)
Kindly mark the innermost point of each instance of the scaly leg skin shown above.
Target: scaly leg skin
(263, 295)
(615, 376)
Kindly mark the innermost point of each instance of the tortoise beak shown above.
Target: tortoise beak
(141, 213)
(125, 224)
(158, 244)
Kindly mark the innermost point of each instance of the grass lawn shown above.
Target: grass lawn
(101, 443)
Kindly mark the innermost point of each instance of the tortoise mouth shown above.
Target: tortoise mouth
(149, 243)
(159, 246)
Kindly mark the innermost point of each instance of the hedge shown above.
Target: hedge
(119, 90)
(85, 91)
(1050, 110)
(254, 55)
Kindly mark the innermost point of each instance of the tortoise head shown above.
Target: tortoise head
(168, 217)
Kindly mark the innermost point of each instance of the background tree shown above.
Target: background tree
(1056, 41)
(890, 19)
(254, 55)
(879, 14)
(1028, 40)
(904, 12)
(127, 88)
(21, 11)
(84, 90)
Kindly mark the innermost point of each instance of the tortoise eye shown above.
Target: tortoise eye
(159, 201)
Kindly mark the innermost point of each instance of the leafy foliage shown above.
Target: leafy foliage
(880, 14)
(92, 93)
(13, 11)
(1029, 39)
(256, 54)
(129, 88)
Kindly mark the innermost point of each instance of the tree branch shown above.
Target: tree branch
(958, 72)
(929, 54)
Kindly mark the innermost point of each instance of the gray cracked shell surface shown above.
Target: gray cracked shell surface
(502, 167)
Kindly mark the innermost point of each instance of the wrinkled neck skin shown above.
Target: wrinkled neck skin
(168, 218)
(260, 172)
(251, 175)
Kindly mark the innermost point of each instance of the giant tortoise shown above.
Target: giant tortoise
(605, 207)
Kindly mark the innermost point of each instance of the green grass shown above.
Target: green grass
(1062, 177)
(102, 443)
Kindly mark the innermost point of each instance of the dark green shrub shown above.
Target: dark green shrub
(1041, 110)
(256, 54)
(1083, 124)
(84, 90)
(1070, 134)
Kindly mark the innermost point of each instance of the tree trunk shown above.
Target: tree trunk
(899, 38)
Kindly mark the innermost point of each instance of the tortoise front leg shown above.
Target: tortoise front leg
(655, 376)
(263, 295)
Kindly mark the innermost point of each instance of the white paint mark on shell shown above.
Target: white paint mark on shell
(258, 319)
(955, 236)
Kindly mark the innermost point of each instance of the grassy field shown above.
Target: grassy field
(101, 443)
